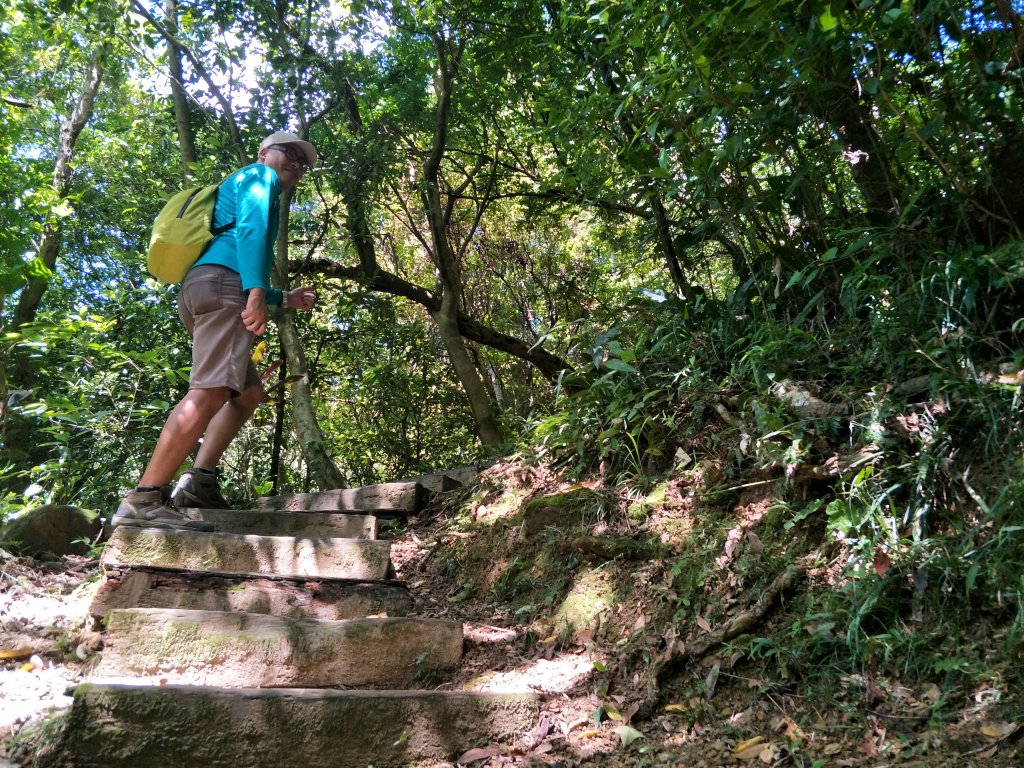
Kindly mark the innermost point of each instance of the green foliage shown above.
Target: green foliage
(79, 434)
(646, 373)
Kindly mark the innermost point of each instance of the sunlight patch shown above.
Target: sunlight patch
(555, 675)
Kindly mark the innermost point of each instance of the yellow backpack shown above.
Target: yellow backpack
(181, 232)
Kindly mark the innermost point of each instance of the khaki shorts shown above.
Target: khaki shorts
(210, 305)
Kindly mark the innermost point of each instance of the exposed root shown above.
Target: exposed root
(676, 656)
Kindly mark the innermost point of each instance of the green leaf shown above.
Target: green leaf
(827, 21)
(972, 577)
(63, 209)
(614, 364)
(627, 735)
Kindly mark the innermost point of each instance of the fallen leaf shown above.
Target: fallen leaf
(751, 749)
(746, 744)
(832, 749)
(477, 754)
(882, 562)
(628, 734)
(754, 541)
(767, 755)
(703, 624)
(999, 730)
(711, 681)
(34, 663)
(19, 652)
(676, 708)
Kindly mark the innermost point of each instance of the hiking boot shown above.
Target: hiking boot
(200, 490)
(152, 509)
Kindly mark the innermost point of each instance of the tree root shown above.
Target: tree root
(677, 655)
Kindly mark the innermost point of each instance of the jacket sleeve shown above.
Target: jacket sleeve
(257, 189)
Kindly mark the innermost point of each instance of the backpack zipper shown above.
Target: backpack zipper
(187, 202)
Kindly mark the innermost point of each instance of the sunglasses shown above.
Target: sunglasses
(292, 154)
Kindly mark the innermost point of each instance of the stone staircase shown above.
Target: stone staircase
(281, 640)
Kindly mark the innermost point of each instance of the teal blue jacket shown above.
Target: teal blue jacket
(248, 197)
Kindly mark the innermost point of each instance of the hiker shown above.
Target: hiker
(223, 304)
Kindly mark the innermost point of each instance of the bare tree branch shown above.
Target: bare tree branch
(550, 365)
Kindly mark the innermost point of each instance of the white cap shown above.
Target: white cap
(283, 137)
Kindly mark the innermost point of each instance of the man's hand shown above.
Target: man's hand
(303, 297)
(254, 316)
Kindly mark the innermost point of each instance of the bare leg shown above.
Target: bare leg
(186, 424)
(226, 424)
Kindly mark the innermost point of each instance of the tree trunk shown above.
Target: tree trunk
(186, 140)
(369, 274)
(466, 372)
(325, 475)
(49, 244)
(278, 441)
(447, 263)
(197, 66)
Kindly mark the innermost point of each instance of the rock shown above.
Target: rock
(55, 529)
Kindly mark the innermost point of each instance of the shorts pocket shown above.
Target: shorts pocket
(210, 289)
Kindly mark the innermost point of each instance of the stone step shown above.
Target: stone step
(435, 484)
(235, 554)
(393, 498)
(449, 480)
(262, 522)
(122, 726)
(259, 651)
(330, 599)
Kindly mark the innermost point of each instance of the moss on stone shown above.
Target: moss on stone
(149, 548)
(569, 509)
(589, 597)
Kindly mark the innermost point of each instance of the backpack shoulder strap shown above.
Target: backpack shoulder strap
(214, 229)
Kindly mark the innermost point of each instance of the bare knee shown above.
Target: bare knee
(210, 400)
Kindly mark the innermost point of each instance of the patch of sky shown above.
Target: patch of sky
(238, 78)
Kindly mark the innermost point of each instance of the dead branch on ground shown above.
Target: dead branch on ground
(676, 655)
